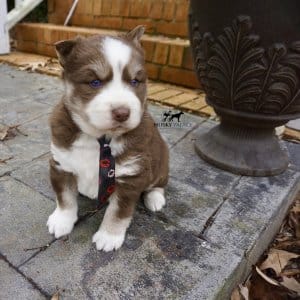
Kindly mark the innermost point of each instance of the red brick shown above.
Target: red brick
(140, 8)
(156, 9)
(57, 18)
(115, 7)
(152, 70)
(125, 8)
(25, 32)
(108, 22)
(39, 33)
(88, 7)
(174, 29)
(47, 50)
(79, 8)
(63, 35)
(106, 7)
(161, 53)
(182, 11)
(54, 36)
(149, 49)
(50, 6)
(27, 46)
(129, 24)
(188, 62)
(176, 54)
(83, 20)
(97, 8)
(169, 10)
(179, 76)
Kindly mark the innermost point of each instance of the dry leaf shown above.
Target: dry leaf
(265, 277)
(291, 284)
(291, 246)
(292, 268)
(240, 293)
(55, 296)
(264, 288)
(32, 66)
(4, 160)
(3, 132)
(277, 260)
(236, 295)
(244, 290)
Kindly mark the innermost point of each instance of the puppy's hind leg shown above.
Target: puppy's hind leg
(62, 220)
(154, 199)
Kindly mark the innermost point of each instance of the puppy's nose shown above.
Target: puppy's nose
(120, 114)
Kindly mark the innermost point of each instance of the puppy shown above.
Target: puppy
(105, 94)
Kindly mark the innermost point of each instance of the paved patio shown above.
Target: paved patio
(214, 227)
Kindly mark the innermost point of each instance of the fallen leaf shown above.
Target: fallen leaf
(265, 277)
(4, 160)
(290, 245)
(240, 293)
(277, 260)
(291, 284)
(32, 66)
(3, 132)
(292, 268)
(236, 295)
(55, 296)
(244, 290)
(264, 288)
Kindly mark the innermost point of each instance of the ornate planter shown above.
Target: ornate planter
(250, 72)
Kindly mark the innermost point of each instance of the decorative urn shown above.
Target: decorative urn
(247, 59)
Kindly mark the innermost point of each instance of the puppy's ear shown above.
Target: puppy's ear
(64, 49)
(136, 34)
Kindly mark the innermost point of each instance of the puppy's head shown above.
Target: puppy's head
(105, 81)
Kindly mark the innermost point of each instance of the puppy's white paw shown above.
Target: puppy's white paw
(61, 222)
(106, 241)
(155, 200)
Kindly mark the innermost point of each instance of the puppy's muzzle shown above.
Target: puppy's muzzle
(120, 114)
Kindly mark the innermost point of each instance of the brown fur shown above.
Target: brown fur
(145, 141)
(61, 180)
(64, 130)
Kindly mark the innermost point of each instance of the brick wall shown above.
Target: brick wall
(161, 17)
(168, 60)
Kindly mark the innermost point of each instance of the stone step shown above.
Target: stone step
(167, 59)
(168, 17)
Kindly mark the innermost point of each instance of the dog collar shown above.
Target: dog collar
(106, 171)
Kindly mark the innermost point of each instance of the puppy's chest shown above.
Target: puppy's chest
(82, 159)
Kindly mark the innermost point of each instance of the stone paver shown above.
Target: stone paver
(213, 228)
(11, 280)
(24, 148)
(294, 124)
(23, 216)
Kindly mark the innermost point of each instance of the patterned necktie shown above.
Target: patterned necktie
(106, 172)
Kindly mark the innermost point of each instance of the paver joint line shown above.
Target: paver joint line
(30, 280)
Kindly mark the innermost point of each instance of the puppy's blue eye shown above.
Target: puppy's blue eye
(96, 83)
(134, 82)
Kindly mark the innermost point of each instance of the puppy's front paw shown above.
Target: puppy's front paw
(61, 222)
(155, 200)
(106, 241)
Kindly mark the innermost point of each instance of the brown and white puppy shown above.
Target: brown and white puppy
(105, 93)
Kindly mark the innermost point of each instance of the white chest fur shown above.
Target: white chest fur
(82, 160)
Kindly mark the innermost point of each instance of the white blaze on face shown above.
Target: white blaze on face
(116, 93)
